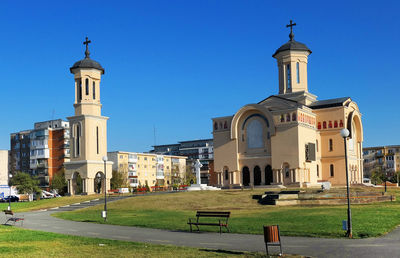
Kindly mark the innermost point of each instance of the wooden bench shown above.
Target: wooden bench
(10, 216)
(222, 221)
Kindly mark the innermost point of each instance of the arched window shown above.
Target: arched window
(298, 72)
(287, 117)
(87, 86)
(324, 124)
(282, 118)
(80, 90)
(288, 77)
(330, 124)
(341, 123)
(335, 124)
(97, 138)
(332, 170)
(94, 90)
(226, 175)
(254, 134)
(319, 125)
(317, 170)
(330, 145)
(294, 117)
(215, 126)
(225, 125)
(77, 140)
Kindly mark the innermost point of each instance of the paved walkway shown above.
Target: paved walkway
(387, 246)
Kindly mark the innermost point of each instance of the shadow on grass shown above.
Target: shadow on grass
(221, 251)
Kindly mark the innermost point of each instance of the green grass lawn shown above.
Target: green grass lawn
(171, 211)
(47, 203)
(15, 242)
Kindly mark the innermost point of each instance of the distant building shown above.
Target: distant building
(49, 149)
(20, 151)
(41, 151)
(197, 149)
(383, 158)
(148, 168)
(4, 167)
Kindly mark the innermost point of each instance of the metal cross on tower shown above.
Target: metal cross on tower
(87, 53)
(291, 35)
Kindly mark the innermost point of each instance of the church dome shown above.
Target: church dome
(87, 63)
(293, 46)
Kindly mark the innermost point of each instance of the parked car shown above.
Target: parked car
(13, 198)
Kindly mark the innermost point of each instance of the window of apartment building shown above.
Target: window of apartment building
(120, 156)
(332, 170)
(330, 145)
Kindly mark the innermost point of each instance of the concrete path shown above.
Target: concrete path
(387, 246)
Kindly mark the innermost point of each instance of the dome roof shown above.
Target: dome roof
(293, 46)
(87, 63)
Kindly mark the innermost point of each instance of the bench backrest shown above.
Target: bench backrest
(7, 212)
(221, 214)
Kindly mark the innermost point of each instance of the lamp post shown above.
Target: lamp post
(104, 214)
(9, 196)
(345, 133)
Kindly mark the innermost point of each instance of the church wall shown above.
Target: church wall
(284, 145)
(225, 152)
(307, 135)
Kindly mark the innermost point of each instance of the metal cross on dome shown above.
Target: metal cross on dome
(291, 35)
(87, 53)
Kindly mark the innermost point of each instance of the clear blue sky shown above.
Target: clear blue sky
(176, 64)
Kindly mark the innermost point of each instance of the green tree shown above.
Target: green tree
(118, 180)
(378, 176)
(26, 184)
(59, 183)
(190, 177)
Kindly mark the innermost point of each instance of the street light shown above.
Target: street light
(345, 133)
(9, 196)
(104, 214)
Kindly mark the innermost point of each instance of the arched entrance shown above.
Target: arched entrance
(99, 182)
(77, 184)
(268, 175)
(246, 176)
(257, 175)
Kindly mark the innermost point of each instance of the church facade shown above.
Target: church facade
(289, 139)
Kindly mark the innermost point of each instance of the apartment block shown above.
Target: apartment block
(148, 168)
(385, 158)
(41, 151)
(20, 151)
(202, 149)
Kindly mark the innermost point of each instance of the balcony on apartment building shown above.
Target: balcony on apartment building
(132, 174)
(40, 154)
(160, 175)
(132, 158)
(39, 144)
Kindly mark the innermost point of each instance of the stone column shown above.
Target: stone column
(69, 187)
(252, 177)
(263, 176)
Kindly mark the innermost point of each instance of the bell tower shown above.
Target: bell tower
(292, 58)
(88, 130)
